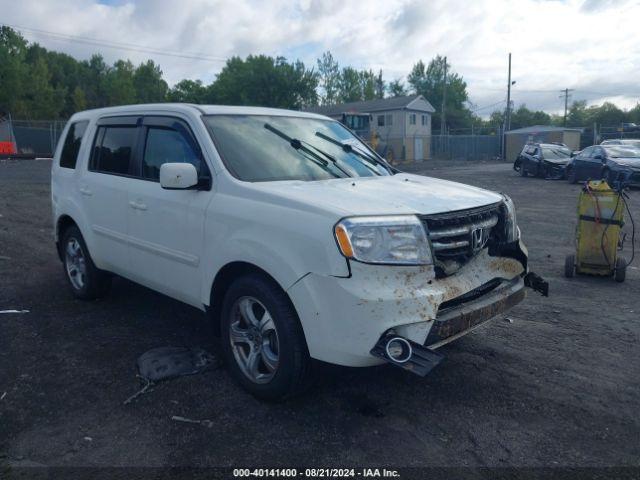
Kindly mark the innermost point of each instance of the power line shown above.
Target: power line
(118, 45)
(488, 106)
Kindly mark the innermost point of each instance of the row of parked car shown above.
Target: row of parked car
(617, 161)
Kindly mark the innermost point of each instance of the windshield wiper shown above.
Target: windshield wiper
(307, 152)
(349, 149)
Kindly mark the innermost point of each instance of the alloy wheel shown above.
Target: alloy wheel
(254, 340)
(75, 263)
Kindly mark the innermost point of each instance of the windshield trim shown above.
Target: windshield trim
(236, 176)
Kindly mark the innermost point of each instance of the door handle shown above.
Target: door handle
(85, 191)
(137, 205)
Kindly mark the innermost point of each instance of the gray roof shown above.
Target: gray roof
(543, 128)
(377, 105)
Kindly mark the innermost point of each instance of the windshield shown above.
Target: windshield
(556, 152)
(622, 151)
(263, 148)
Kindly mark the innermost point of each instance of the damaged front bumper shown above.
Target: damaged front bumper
(344, 318)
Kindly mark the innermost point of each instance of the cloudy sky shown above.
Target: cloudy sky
(590, 46)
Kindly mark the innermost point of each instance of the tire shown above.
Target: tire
(88, 282)
(621, 269)
(281, 364)
(569, 266)
(571, 175)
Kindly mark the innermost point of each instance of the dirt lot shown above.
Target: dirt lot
(555, 386)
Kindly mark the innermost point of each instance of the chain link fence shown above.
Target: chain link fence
(32, 138)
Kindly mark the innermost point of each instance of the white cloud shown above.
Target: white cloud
(585, 45)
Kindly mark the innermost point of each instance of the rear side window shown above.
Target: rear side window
(71, 147)
(113, 149)
(166, 146)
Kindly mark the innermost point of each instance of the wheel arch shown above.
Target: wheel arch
(223, 280)
(62, 224)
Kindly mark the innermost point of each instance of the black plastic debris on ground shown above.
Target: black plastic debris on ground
(169, 362)
(163, 363)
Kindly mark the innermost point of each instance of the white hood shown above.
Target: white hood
(398, 194)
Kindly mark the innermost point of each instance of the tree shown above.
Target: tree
(13, 71)
(523, 117)
(148, 83)
(350, 86)
(118, 85)
(329, 78)
(266, 81)
(189, 91)
(396, 88)
(380, 85)
(429, 82)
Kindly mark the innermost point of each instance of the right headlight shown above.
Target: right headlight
(512, 232)
(394, 240)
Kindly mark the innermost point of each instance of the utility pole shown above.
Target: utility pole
(443, 124)
(507, 119)
(565, 94)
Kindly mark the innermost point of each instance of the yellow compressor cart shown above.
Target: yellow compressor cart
(600, 219)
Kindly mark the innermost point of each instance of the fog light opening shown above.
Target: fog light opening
(399, 350)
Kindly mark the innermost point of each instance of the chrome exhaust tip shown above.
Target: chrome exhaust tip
(398, 349)
(405, 354)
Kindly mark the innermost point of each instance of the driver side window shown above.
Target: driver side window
(164, 145)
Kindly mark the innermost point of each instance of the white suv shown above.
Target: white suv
(295, 237)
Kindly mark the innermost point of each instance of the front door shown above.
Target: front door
(166, 227)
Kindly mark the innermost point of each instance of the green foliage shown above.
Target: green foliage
(40, 84)
(429, 81)
(523, 117)
(329, 78)
(397, 89)
(265, 81)
(189, 91)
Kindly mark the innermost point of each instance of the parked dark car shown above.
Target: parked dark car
(633, 142)
(614, 163)
(546, 160)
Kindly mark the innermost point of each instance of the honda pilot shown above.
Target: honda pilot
(298, 241)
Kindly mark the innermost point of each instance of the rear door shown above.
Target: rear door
(166, 227)
(104, 189)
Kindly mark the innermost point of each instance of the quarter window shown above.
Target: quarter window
(166, 146)
(69, 155)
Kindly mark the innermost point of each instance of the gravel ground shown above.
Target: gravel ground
(555, 384)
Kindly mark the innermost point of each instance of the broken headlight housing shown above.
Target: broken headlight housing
(511, 230)
(391, 240)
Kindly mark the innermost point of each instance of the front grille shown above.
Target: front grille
(457, 236)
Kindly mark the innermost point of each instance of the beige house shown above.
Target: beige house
(399, 127)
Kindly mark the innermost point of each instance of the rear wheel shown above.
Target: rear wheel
(569, 265)
(86, 280)
(262, 339)
(621, 269)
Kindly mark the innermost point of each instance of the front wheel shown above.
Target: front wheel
(262, 339)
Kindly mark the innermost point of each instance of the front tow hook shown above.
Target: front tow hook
(537, 283)
(406, 354)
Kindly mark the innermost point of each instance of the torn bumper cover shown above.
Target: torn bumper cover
(344, 319)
